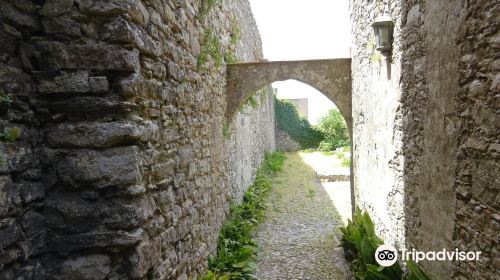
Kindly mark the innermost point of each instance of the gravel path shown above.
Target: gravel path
(299, 239)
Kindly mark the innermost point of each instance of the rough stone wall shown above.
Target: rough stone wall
(121, 168)
(440, 125)
(285, 143)
(251, 135)
(376, 112)
(477, 182)
(430, 84)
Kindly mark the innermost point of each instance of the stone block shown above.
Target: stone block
(89, 55)
(4, 195)
(89, 267)
(56, 7)
(74, 82)
(133, 9)
(62, 25)
(127, 213)
(99, 84)
(18, 18)
(111, 167)
(10, 232)
(120, 30)
(100, 134)
(94, 239)
(144, 257)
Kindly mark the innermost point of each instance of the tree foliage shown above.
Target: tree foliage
(335, 131)
(298, 128)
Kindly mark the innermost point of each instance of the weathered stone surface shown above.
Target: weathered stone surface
(62, 25)
(56, 7)
(112, 167)
(145, 256)
(132, 8)
(89, 267)
(9, 232)
(72, 82)
(285, 143)
(99, 84)
(95, 239)
(18, 18)
(4, 195)
(122, 170)
(90, 55)
(122, 31)
(98, 134)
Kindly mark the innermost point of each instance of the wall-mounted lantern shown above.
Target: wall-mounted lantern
(383, 27)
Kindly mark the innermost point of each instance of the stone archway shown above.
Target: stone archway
(332, 77)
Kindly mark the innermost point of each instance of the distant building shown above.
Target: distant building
(302, 105)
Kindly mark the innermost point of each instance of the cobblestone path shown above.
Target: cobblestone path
(299, 238)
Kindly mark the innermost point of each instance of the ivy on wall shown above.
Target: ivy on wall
(299, 129)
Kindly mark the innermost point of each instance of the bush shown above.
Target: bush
(334, 130)
(360, 243)
(298, 128)
(236, 251)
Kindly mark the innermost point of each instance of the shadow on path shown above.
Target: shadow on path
(299, 238)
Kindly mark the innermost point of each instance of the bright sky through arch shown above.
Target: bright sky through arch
(303, 29)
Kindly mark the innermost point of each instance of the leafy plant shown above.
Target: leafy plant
(236, 251)
(211, 47)
(4, 98)
(335, 131)
(298, 128)
(360, 242)
(235, 32)
(346, 162)
(10, 134)
(206, 6)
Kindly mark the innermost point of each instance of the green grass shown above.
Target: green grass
(237, 251)
(346, 162)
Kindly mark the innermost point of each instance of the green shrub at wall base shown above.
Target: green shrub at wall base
(236, 250)
(360, 243)
(298, 128)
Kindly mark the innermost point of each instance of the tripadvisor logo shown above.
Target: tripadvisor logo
(387, 255)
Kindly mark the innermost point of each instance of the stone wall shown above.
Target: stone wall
(435, 146)
(121, 170)
(377, 120)
(285, 143)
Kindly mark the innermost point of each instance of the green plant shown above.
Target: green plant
(206, 6)
(376, 57)
(346, 162)
(235, 32)
(360, 242)
(211, 47)
(236, 251)
(231, 58)
(4, 97)
(10, 134)
(298, 128)
(311, 193)
(334, 128)
(225, 131)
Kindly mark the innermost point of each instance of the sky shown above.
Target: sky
(303, 29)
